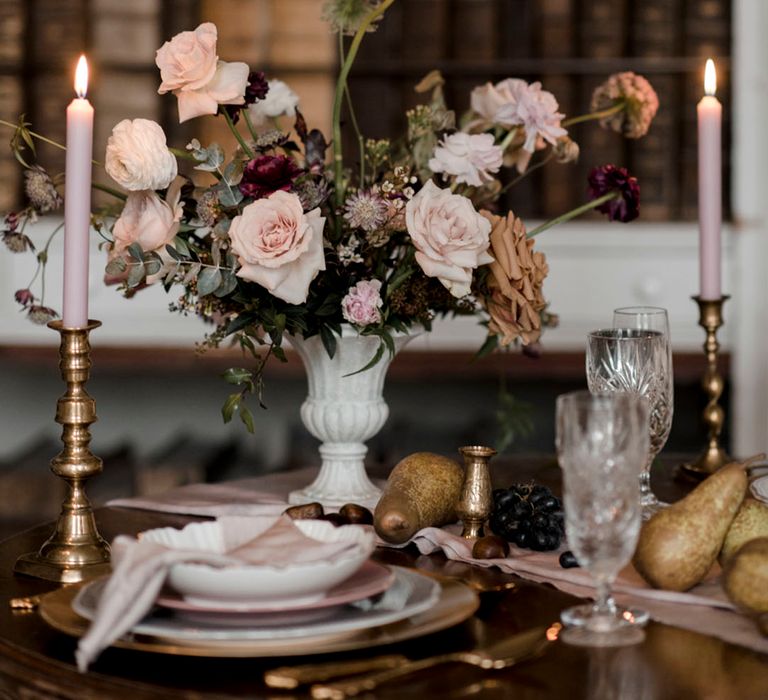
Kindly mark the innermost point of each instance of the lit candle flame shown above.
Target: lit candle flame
(710, 78)
(81, 77)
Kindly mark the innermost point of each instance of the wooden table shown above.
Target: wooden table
(36, 662)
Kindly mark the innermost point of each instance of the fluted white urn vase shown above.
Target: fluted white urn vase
(343, 410)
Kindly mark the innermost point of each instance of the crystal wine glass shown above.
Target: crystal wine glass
(653, 318)
(634, 361)
(602, 441)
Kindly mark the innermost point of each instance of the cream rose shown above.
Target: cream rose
(450, 237)
(190, 68)
(279, 246)
(137, 156)
(280, 100)
(148, 220)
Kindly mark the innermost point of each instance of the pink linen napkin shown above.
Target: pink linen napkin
(705, 608)
(140, 567)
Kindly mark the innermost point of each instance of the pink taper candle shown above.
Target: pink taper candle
(710, 116)
(77, 202)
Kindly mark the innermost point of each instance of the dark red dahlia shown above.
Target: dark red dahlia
(267, 174)
(609, 178)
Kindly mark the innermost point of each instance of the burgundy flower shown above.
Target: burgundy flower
(256, 89)
(267, 174)
(24, 297)
(609, 178)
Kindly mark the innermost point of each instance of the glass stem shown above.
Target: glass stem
(604, 603)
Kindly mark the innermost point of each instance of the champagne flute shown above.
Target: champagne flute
(634, 361)
(602, 440)
(652, 318)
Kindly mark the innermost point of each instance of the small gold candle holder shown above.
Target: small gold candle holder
(714, 456)
(75, 551)
(476, 498)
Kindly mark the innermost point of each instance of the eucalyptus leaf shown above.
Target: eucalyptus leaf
(152, 267)
(228, 284)
(181, 246)
(192, 273)
(208, 281)
(233, 173)
(136, 274)
(172, 252)
(229, 196)
(116, 266)
(214, 157)
(136, 252)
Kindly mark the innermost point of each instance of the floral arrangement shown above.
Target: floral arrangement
(285, 236)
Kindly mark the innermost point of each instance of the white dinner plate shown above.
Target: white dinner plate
(425, 592)
(456, 603)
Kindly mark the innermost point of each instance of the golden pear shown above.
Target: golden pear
(750, 522)
(679, 544)
(745, 577)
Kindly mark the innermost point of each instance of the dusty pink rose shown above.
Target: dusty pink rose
(450, 237)
(190, 68)
(279, 246)
(148, 220)
(536, 111)
(471, 158)
(362, 303)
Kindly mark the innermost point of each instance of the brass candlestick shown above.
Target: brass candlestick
(476, 498)
(713, 457)
(75, 551)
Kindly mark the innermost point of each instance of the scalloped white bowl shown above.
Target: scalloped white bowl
(276, 587)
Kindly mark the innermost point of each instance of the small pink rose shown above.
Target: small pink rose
(279, 246)
(470, 158)
(362, 303)
(450, 237)
(148, 220)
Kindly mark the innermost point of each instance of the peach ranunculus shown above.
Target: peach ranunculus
(148, 220)
(517, 273)
(137, 156)
(279, 246)
(190, 68)
(450, 237)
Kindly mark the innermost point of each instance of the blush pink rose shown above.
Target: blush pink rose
(362, 303)
(190, 68)
(450, 237)
(279, 246)
(148, 220)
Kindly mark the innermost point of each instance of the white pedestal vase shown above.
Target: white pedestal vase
(343, 412)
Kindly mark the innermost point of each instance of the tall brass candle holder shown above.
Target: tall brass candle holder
(75, 551)
(713, 457)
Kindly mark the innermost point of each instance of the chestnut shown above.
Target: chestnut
(490, 547)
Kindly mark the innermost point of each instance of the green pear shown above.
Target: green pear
(745, 577)
(750, 522)
(679, 544)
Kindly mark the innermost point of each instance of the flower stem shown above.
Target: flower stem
(237, 134)
(182, 153)
(109, 190)
(578, 211)
(341, 85)
(249, 124)
(39, 137)
(353, 117)
(504, 145)
(602, 114)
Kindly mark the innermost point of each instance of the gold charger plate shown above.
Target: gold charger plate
(456, 603)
